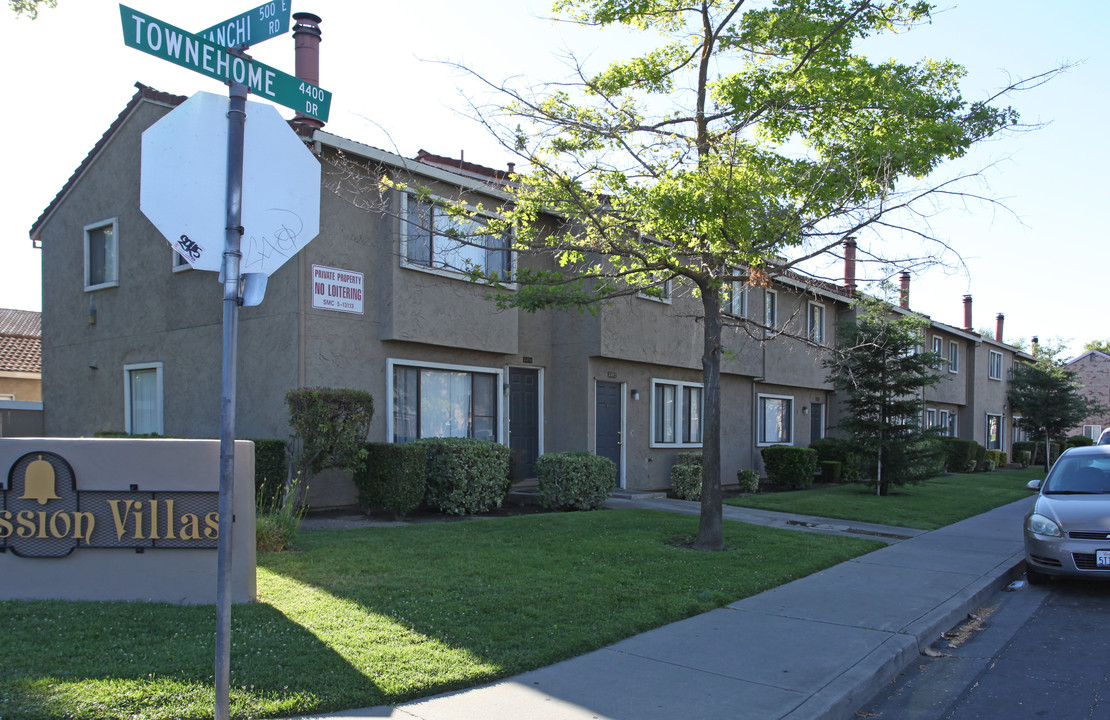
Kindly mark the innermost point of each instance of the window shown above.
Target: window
(658, 289)
(816, 322)
(179, 261)
(930, 418)
(101, 255)
(1020, 433)
(947, 422)
(1092, 431)
(142, 398)
(994, 432)
(676, 413)
(994, 370)
(953, 357)
(775, 424)
(431, 238)
(938, 347)
(737, 301)
(443, 401)
(771, 309)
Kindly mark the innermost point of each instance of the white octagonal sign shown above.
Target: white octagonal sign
(183, 185)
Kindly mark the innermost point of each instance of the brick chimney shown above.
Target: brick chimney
(850, 265)
(967, 314)
(904, 294)
(999, 321)
(306, 42)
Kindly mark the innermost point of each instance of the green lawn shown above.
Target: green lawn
(927, 506)
(382, 615)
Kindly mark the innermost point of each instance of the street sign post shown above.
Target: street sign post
(165, 41)
(252, 27)
(209, 57)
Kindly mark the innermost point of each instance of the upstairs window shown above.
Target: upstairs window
(953, 357)
(771, 309)
(432, 238)
(938, 347)
(994, 370)
(101, 255)
(816, 322)
(737, 301)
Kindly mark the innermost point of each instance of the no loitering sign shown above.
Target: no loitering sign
(162, 40)
(335, 289)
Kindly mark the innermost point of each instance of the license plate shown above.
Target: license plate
(1102, 558)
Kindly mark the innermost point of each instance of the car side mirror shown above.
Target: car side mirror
(1034, 485)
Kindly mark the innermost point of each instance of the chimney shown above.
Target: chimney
(999, 320)
(306, 43)
(904, 295)
(967, 314)
(850, 265)
(1036, 346)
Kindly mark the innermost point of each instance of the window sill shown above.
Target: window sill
(447, 273)
(676, 445)
(102, 286)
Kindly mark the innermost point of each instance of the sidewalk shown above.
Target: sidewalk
(815, 649)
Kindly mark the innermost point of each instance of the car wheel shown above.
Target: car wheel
(1035, 577)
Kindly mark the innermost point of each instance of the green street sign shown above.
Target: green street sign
(252, 27)
(162, 40)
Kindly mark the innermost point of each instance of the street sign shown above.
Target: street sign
(252, 27)
(162, 40)
(183, 179)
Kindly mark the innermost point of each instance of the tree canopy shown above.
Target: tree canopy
(753, 137)
(30, 7)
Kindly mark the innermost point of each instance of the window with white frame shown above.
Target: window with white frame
(953, 356)
(659, 287)
(930, 418)
(676, 413)
(142, 399)
(816, 322)
(433, 238)
(179, 261)
(938, 346)
(775, 424)
(737, 301)
(947, 423)
(771, 308)
(431, 400)
(1092, 431)
(994, 367)
(1020, 433)
(102, 255)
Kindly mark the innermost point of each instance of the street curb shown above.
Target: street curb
(841, 698)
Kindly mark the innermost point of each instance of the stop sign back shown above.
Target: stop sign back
(183, 185)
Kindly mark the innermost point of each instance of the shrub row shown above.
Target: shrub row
(575, 480)
(790, 467)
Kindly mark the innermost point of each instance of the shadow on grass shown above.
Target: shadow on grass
(152, 660)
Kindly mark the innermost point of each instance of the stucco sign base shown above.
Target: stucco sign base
(108, 519)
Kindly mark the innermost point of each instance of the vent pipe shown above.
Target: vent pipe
(967, 314)
(850, 265)
(999, 321)
(904, 294)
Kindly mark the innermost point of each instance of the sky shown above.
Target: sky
(1038, 255)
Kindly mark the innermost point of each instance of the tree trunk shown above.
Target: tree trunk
(710, 532)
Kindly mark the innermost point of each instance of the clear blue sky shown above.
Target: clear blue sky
(1042, 263)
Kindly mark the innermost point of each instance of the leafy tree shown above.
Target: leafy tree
(747, 135)
(1100, 345)
(879, 366)
(30, 7)
(1046, 396)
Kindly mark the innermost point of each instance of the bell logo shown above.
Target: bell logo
(38, 483)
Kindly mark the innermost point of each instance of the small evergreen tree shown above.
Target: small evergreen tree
(1046, 396)
(881, 367)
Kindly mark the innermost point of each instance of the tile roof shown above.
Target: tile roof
(20, 344)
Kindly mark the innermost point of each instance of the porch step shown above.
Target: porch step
(622, 494)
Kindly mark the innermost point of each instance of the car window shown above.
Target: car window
(1079, 474)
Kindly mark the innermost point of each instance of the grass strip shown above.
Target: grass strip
(928, 505)
(378, 616)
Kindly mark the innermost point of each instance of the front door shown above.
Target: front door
(608, 423)
(524, 421)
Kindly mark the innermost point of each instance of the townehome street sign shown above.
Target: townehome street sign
(162, 40)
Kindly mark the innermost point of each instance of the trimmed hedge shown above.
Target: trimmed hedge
(271, 467)
(686, 476)
(831, 471)
(575, 480)
(465, 476)
(841, 450)
(960, 456)
(790, 467)
(392, 477)
(1022, 457)
(1036, 450)
(1078, 441)
(749, 480)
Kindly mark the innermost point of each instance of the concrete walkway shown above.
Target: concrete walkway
(815, 649)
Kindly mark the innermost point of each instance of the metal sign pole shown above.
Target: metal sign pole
(236, 121)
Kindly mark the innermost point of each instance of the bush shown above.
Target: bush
(830, 471)
(271, 468)
(994, 458)
(980, 458)
(1078, 441)
(790, 467)
(465, 476)
(575, 480)
(686, 476)
(277, 522)
(392, 477)
(1003, 458)
(843, 451)
(1022, 457)
(749, 480)
(959, 454)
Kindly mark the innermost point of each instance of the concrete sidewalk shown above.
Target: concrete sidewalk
(815, 649)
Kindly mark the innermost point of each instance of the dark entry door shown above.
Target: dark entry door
(524, 421)
(608, 420)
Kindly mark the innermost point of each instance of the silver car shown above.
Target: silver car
(1067, 532)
